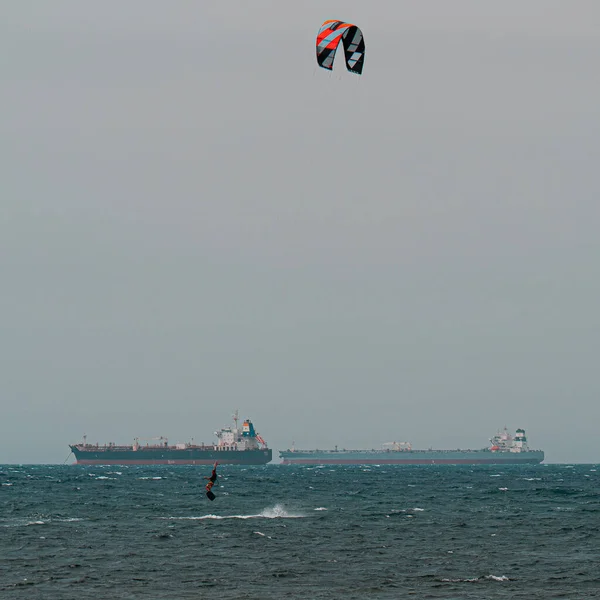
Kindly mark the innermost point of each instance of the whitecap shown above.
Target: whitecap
(498, 577)
(321, 508)
(276, 512)
(263, 534)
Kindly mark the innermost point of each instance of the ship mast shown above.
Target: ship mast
(236, 417)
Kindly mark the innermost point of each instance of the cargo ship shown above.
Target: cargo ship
(235, 446)
(504, 449)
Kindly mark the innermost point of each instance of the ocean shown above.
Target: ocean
(287, 532)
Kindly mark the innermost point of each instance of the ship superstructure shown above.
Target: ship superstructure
(503, 449)
(235, 445)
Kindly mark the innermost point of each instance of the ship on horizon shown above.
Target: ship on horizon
(503, 449)
(235, 446)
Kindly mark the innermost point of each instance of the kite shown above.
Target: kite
(328, 39)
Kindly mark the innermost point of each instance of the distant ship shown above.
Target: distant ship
(235, 447)
(504, 449)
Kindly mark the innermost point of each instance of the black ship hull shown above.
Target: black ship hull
(167, 456)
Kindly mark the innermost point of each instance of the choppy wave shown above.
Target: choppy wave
(275, 512)
(475, 579)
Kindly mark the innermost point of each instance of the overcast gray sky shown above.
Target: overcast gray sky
(195, 218)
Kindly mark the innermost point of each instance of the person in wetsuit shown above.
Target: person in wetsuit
(212, 478)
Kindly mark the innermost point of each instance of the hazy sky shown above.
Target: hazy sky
(195, 218)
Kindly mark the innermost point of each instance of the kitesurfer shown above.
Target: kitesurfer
(211, 482)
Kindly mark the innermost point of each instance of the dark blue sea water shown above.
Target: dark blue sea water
(275, 532)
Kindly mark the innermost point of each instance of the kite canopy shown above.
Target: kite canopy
(328, 39)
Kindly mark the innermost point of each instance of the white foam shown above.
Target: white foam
(475, 579)
(263, 534)
(321, 508)
(276, 512)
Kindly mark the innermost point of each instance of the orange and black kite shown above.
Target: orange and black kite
(328, 39)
